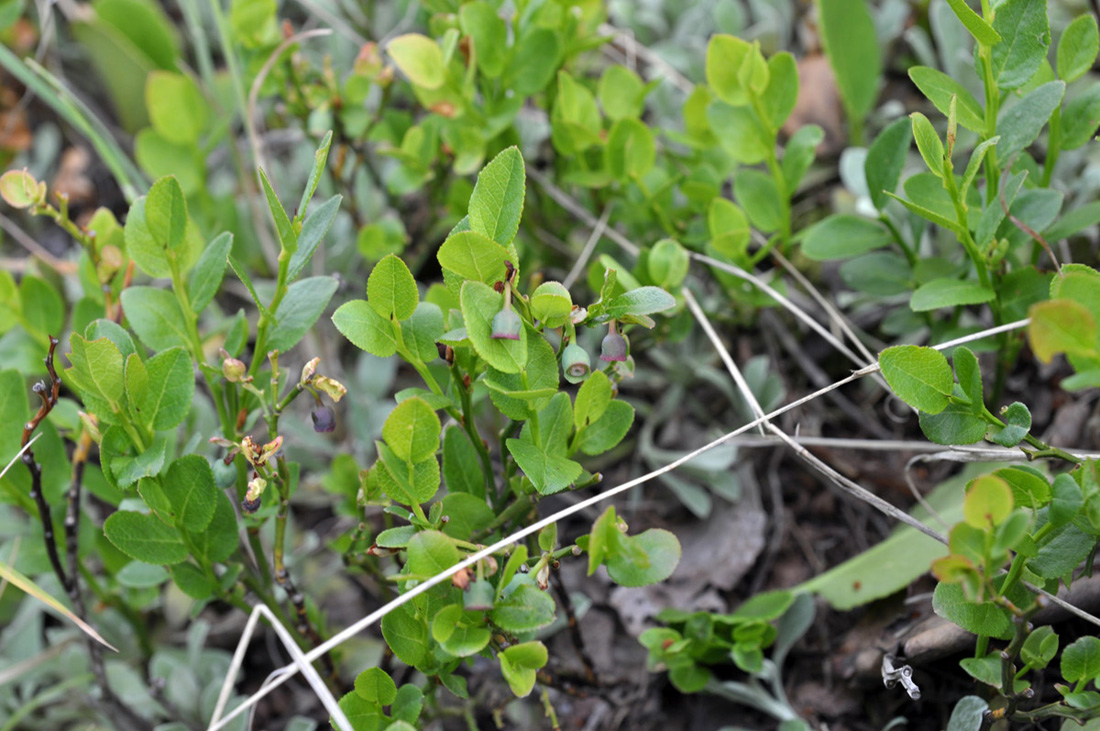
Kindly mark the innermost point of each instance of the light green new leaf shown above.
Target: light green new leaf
(288, 237)
(1061, 326)
(420, 59)
(176, 107)
(519, 665)
(725, 54)
(928, 143)
(474, 256)
(1081, 660)
(982, 31)
(391, 289)
(314, 228)
(166, 400)
(918, 376)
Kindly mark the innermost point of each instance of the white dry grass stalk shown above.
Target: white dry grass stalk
(589, 247)
(300, 664)
(285, 673)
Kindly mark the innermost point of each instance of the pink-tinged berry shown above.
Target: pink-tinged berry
(575, 363)
(507, 325)
(613, 349)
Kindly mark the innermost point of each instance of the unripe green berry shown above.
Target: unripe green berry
(575, 363)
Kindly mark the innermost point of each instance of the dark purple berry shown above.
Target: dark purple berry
(323, 419)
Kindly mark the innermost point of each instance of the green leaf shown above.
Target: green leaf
(974, 164)
(457, 631)
(1061, 326)
(1080, 118)
(940, 88)
(609, 430)
(422, 330)
(631, 150)
(407, 635)
(391, 289)
(1077, 48)
(420, 59)
(358, 322)
(473, 256)
(189, 484)
(155, 316)
(461, 467)
(854, 52)
(725, 54)
(740, 132)
(144, 538)
(520, 395)
(97, 373)
(405, 482)
(1020, 124)
(982, 31)
(969, 712)
(431, 552)
(928, 143)
(523, 607)
(948, 292)
(843, 236)
(656, 553)
(412, 430)
(480, 303)
(800, 151)
(756, 193)
(969, 374)
(205, 280)
(640, 301)
(956, 424)
(166, 213)
(535, 58)
(1066, 500)
(288, 237)
(1040, 647)
(314, 228)
(885, 160)
(621, 93)
(497, 201)
(1025, 36)
(782, 91)
(1081, 660)
(480, 21)
(149, 252)
(1017, 420)
(42, 307)
(375, 685)
(543, 462)
(176, 107)
(986, 618)
(304, 302)
(191, 581)
(319, 159)
(218, 542)
(918, 376)
(520, 663)
(880, 273)
(1030, 488)
(593, 398)
(729, 229)
(167, 399)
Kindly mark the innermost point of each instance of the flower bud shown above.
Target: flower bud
(575, 363)
(324, 420)
(507, 325)
(613, 348)
(233, 369)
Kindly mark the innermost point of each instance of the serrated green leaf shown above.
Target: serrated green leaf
(949, 292)
(155, 316)
(940, 88)
(206, 278)
(843, 236)
(189, 485)
(304, 302)
(391, 289)
(358, 322)
(144, 538)
(412, 430)
(480, 303)
(497, 201)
